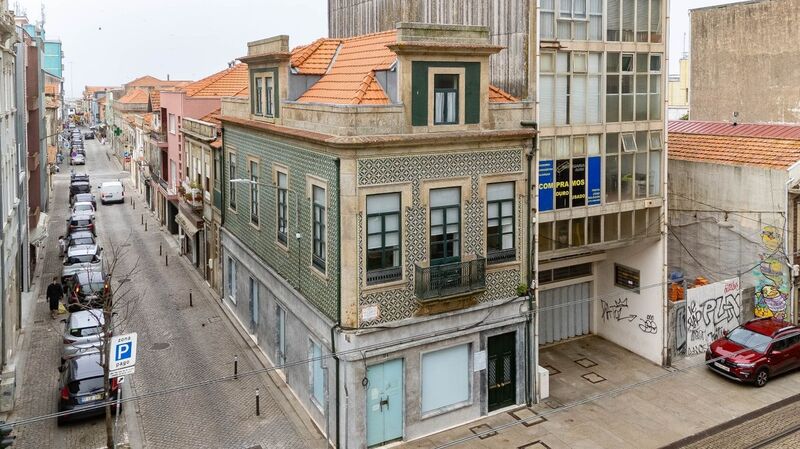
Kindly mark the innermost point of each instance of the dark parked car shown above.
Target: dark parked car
(81, 388)
(83, 198)
(86, 290)
(88, 136)
(79, 238)
(756, 351)
(78, 177)
(82, 222)
(79, 187)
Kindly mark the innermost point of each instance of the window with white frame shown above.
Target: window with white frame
(383, 238)
(570, 88)
(445, 99)
(269, 96)
(319, 227)
(445, 227)
(231, 280)
(571, 20)
(231, 177)
(317, 374)
(633, 87)
(500, 222)
(172, 124)
(282, 204)
(634, 20)
(254, 193)
(445, 378)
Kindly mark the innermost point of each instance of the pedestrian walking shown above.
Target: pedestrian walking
(62, 245)
(54, 294)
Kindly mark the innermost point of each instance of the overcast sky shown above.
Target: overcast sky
(110, 42)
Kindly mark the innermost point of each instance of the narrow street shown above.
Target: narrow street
(178, 345)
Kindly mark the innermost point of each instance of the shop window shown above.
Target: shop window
(383, 238)
(445, 378)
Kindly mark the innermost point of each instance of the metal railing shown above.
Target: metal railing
(440, 281)
(384, 275)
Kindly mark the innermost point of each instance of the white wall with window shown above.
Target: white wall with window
(445, 379)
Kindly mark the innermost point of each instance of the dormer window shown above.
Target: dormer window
(263, 101)
(445, 99)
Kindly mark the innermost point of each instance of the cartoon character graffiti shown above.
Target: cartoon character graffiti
(771, 277)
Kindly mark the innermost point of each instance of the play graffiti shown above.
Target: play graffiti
(710, 310)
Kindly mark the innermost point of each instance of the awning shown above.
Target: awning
(40, 233)
(185, 223)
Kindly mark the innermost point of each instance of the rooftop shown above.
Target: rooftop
(151, 81)
(347, 68)
(231, 82)
(767, 146)
(135, 96)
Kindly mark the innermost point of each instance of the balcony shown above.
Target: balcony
(191, 196)
(450, 279)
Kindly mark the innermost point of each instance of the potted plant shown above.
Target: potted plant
(188, 197)
(198, 196)
(181, 190)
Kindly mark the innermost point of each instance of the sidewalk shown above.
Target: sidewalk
(649, 411)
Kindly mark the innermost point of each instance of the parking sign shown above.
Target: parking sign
(123, 351)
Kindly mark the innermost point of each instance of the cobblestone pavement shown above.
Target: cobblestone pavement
(758, 430)
(37, 394)
(181, 345)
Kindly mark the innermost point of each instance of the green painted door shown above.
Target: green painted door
(385, 402)
(502, 371)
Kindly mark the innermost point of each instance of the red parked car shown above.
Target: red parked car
(756, 351)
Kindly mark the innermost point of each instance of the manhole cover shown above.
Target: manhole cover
(159, 346)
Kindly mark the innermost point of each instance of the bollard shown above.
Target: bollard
(236, 367)
(134, 204)
(190, 299)
(258, 406)
(166, 260)
(159, 249)
(142, 218)
(145, 226)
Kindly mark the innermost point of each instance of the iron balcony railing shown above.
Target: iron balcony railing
(450, 279)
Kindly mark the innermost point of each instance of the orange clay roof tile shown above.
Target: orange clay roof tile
(155, 100)
(772, 153)
(497, 95)
(231, 82)
(212, 117)
(136, 96)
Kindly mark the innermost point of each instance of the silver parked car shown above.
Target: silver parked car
(82, 332)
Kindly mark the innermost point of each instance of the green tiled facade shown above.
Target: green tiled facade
(321, 293)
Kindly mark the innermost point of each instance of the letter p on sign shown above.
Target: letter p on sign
(123, 351)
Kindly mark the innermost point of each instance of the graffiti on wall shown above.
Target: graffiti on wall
(771, 277)
(680, 327)
(617, 311)
(710, 310)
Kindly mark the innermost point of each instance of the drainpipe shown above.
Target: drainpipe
(531, 353)
(337, 324)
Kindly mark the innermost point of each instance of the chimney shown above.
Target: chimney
(167, 76)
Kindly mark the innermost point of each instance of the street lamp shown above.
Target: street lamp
(297, 234)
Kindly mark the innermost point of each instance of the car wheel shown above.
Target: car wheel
(762, 377)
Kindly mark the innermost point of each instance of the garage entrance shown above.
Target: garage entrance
(564, 312)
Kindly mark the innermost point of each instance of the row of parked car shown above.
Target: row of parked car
(87, 286)
(77, 154)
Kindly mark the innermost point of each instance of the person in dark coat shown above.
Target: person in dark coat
(54, 294)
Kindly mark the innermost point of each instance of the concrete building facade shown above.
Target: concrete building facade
(742, 62)
(678, 91)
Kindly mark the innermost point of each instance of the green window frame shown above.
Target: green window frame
(282, 205)
(231, 184)
(445, 99)
(259, 82)
(254, 218)
(445, 226)
(319, 217)
(500, 218)
(383, 238)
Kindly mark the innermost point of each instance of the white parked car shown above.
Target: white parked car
(83, 208)
(82, 333)
(112, 192)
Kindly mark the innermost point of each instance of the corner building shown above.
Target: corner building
(375, 201)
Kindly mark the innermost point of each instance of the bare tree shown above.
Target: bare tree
(118, 301)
